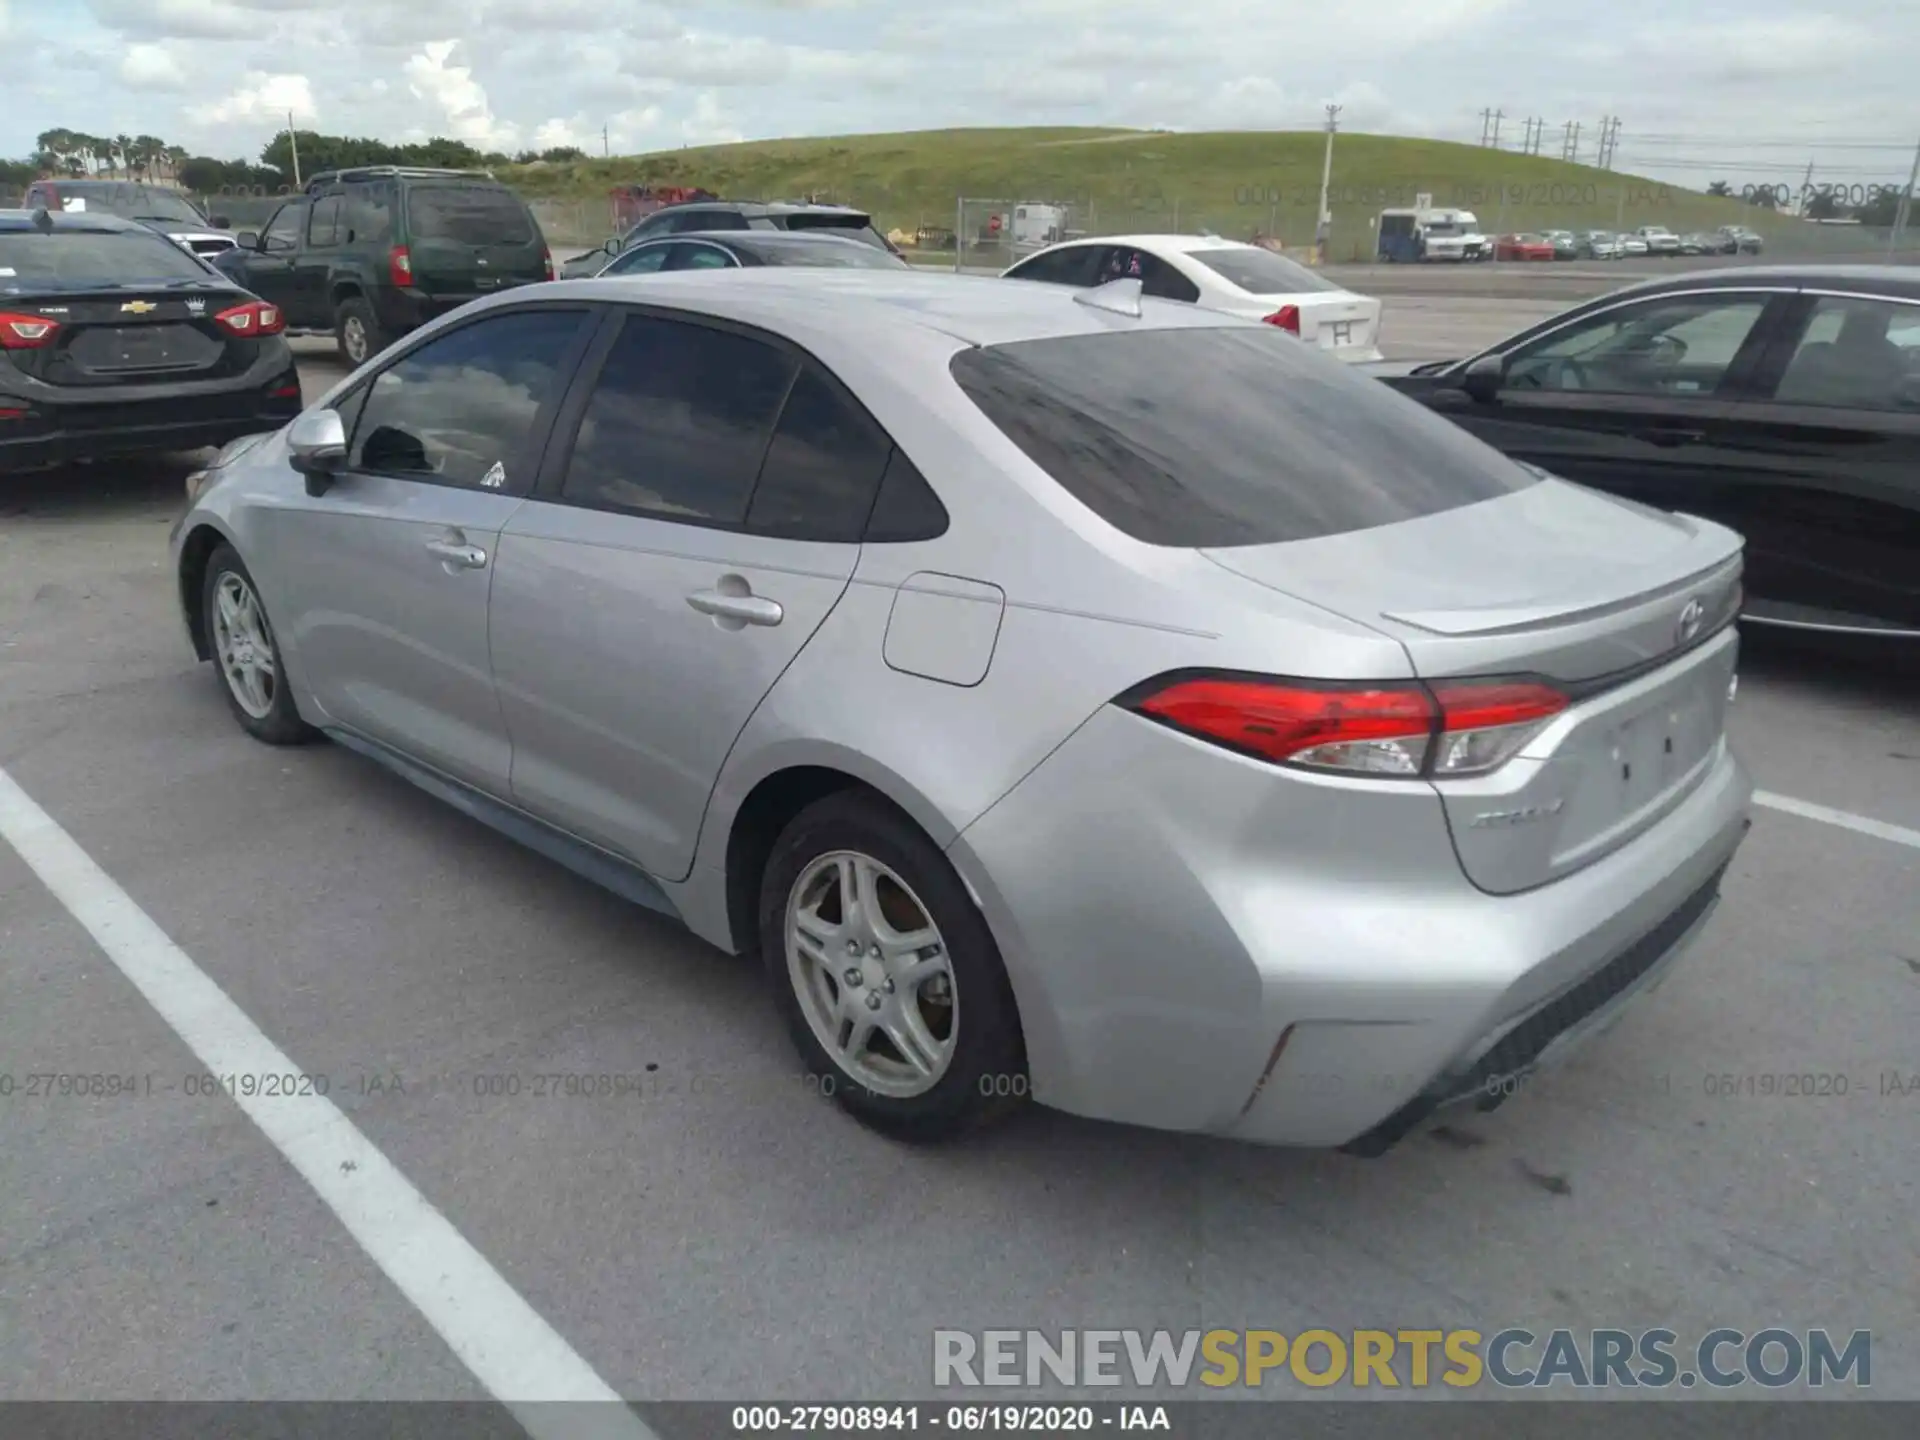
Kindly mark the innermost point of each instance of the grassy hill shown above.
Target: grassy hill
(1230, 182)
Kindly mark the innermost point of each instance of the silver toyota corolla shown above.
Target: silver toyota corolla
(1065, 694)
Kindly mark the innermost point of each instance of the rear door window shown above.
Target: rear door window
(678, 422)
(468, 215)
(1231, 436)
(1261, 272)
(823, 467)
(323, 221)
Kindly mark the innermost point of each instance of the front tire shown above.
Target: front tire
(240, 637)
(887, 975)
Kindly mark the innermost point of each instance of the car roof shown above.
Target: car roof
(758, 207)
(894, 304)
(79, 220)
(1900, 280)
(775, 239)
(1178, 244)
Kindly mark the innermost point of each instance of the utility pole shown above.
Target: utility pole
(1806, 188)
(1486, 125)
(293, 144)
(1609, 141)
(1498, 116)
(1906, 206)
(1570, 149)
(606, 146)
(1321, 231)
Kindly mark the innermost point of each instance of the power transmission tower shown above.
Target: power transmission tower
(1609, 141)
(1905, 211)
(1526, 137)
(1490, 126)
(1498, 116)
(1570, 146)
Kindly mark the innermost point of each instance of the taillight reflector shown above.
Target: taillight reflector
(1406, 729)
(546, 257)
(400, 265)
(252, 320)
(25, 332)
(1287, 317)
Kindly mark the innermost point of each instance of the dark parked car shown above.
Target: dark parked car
(368, 254)
(115, 340)
(168, 211)
(734, 215)
(1737, 240)
(735, 249)
(1781, 401)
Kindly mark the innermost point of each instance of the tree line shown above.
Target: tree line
(148, 158)
(1881, 209)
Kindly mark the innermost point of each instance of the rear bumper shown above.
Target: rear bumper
(401, 310)
(1197, 945)
(63, 434)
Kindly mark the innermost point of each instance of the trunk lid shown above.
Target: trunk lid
(1343, 325)
(114, 336)
(467, 240)
(1625, 608)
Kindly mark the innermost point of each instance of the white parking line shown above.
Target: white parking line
(1845, 819)
(519, 1358)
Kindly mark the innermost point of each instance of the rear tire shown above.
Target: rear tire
(917, 961)
(357, 332)
(252, 675)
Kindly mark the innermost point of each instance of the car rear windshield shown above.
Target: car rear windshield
(854, 227)
(91, 257)
(832, 254)
(1227, 436)
(468, 215)
(1261, 272)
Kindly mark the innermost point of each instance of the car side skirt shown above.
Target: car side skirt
(590, 862)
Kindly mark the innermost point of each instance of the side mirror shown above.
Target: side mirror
(1485, 377)
(220, 222)
(248, 240)
(317, 448)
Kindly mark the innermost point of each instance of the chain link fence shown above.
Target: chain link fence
(989, 233)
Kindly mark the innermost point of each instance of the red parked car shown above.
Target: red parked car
(1523, 247)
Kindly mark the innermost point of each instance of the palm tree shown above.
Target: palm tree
(1719, 187)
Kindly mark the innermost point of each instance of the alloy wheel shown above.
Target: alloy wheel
(872, 974)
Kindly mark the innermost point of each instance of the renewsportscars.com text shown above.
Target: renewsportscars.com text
(1721, 1359)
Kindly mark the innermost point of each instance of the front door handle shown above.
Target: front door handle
(458, 553)
(743, 609)
(1669, 436)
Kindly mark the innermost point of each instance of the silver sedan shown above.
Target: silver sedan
(1065, 694)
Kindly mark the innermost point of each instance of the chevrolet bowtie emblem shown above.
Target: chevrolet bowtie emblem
(138, 307)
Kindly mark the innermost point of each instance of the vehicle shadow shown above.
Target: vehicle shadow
(137, 487)
(1872, 674)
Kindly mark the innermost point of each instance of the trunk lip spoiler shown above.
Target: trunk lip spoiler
(1524, 615)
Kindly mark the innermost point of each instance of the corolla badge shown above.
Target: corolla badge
(1692, 616)
(1488, 819)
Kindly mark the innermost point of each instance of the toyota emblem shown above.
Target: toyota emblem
(1692, 616)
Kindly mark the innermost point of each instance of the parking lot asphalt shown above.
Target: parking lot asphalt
(714, 1232)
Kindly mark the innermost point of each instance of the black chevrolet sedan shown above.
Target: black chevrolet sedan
(115, 340)
(1781, 401)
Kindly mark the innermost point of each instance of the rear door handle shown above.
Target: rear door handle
(458, 553)
(747, 609)
(1670, 436)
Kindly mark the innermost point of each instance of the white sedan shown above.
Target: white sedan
(1219, 275)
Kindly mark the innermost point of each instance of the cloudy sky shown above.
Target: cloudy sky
(1749, 91)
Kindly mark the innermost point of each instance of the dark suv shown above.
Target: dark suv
(710, 215)
(371, 253)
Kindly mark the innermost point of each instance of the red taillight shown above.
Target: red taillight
(546, 257)
(1287, 317)
(284, 392)
(25, 332)
(1395, 729)
(400, 265)
(251, 321)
